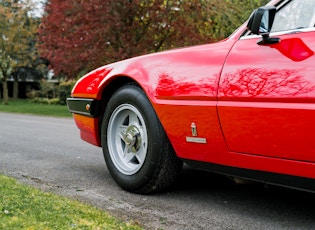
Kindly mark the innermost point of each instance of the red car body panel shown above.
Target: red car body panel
(172, 80)
(181, 84)
(249, 112)
(270, 105)
(89, 129)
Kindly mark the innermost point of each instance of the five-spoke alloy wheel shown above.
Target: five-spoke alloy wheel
(127, 139)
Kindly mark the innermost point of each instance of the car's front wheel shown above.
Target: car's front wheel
(136, 149)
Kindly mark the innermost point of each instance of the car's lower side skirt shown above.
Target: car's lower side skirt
(300, 183)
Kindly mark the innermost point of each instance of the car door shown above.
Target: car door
(266, 96)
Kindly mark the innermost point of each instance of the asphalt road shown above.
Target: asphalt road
(47, 153)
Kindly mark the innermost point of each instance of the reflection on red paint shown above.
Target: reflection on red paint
(294, 48)
(88, 86)
(263, 82)
(168, 87)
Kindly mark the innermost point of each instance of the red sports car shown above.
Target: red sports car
(243, 107)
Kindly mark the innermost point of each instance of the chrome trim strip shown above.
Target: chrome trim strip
(278, 33)
(198, 140)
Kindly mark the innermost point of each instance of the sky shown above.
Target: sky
(38, 10)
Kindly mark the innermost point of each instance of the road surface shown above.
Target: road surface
(47, 153)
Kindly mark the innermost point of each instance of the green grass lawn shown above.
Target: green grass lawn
(24, 106)
(23, 207)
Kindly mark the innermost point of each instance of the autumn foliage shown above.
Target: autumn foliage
(79, 35)
(18, 32)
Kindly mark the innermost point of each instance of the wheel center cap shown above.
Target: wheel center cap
(132, 138)
(129, 139)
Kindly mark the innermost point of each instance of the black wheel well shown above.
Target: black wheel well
(109, 90)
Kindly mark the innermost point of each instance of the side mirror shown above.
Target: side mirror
(260, 22)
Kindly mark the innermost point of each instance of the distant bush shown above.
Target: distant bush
(48, 101)
(52, 93)
(65, 91)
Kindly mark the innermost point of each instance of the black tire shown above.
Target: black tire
(136, 149)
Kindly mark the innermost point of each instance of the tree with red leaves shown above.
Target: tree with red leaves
(77, 36)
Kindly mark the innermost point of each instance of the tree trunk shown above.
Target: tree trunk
(15, 89)
(5, 92)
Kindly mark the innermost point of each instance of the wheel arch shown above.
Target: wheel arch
(111, 87)
(108, 90)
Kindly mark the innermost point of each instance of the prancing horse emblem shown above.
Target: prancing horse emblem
(194, 134)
